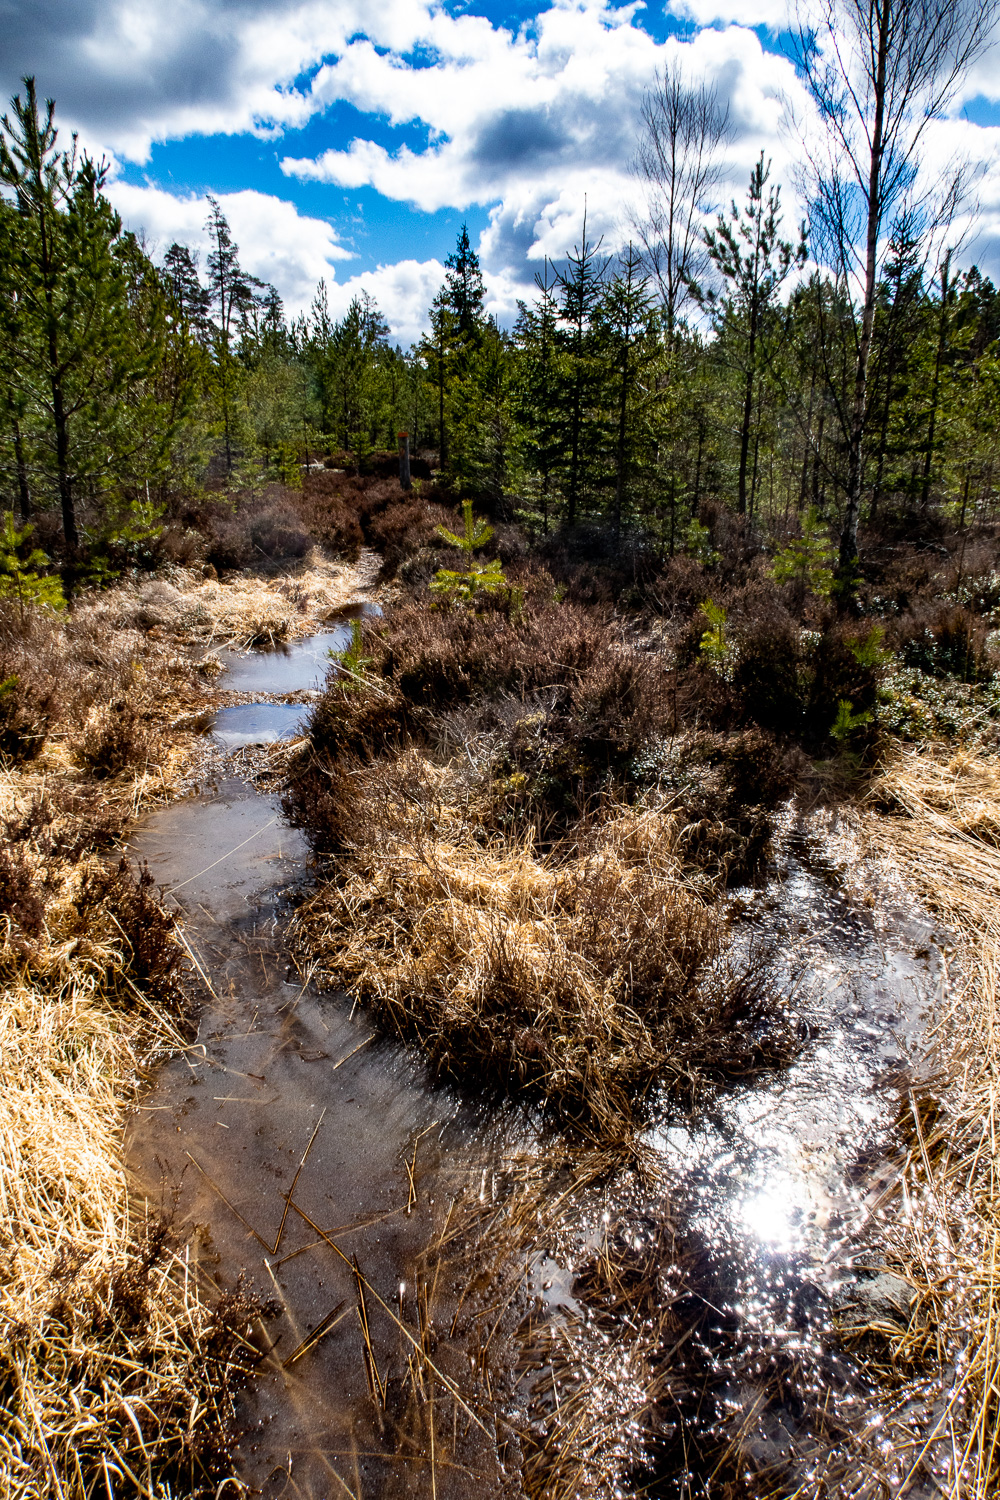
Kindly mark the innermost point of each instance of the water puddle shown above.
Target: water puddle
(280, 671)
(244, 724)
(288, 1089)
(292, 666)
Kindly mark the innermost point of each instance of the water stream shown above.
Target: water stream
(287, 1087)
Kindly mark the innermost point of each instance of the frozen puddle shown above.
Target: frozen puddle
(257, 724)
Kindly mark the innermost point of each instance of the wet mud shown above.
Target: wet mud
(295, 1145)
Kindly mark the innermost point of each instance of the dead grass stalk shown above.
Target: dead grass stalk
(938, 819)
(577, 978)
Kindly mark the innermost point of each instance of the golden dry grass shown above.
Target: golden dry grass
(103, 1334)
(939, 822)
(115, 1372)
(577, 978)
(243, 610)
(116, 1363)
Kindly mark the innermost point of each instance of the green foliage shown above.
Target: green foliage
(696, 541)
(846, 725)
(476, 534)
(353, 660)
(714, 645)
(870, 652)
(807, 560)
(96, 369)
(23, 569)
(465, 586)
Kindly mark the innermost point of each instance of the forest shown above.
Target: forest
(636, 396)
(580, 729)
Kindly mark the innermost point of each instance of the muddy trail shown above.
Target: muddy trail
(295, 1147)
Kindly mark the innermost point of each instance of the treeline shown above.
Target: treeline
(636, 394)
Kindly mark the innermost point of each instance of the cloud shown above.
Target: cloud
(130, 72)
(276, 242)
(528, 122)
(776, 15)
(535, 125)
(403, 291)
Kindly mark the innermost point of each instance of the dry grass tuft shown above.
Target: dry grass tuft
(580, 979)
(116, 1375)
(943, 832)
(245, 610)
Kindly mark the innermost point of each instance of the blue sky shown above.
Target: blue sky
(350, 139)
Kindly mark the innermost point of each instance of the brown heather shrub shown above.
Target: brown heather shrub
(20, 900)
(561, 704)
(778, 676)
(406, 528)
(343, 511)
(32, 685)
(328, 517)
(115, 738)
(443, 657)
(59, 824)
(725, 790)
(945, 640)
(768, 678)
(277, 533)
(153, 956)
(256, 530)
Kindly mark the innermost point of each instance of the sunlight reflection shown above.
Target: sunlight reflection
(774, 1215)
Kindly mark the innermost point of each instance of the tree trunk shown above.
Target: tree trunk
(847, 563)
(697, 471)
(442, 453)
(925, 489)
(23, 492)
(620, 453)
(62, 469)
(748, 399)
(574, 458)
(816, 495)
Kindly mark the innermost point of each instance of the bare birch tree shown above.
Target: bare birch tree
(677, 161)
(878, 73)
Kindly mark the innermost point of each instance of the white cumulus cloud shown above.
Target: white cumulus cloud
(276, 242)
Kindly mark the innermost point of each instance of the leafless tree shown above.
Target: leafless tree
(678, 163)
(878, 72)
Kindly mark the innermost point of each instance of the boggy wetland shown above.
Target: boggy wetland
(500, 838)
(480, 1051)
(437, 1260)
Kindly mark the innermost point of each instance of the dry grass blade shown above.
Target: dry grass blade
(581, 979)
(327, 1325)
(421, 1351)
(943, 832)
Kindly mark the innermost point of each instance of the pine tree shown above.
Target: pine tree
(77, 349)
(193, 301)
(753, 262)
(537, 340)
(582, 287)
(465, 293)
(229, 293)
(627, 328)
